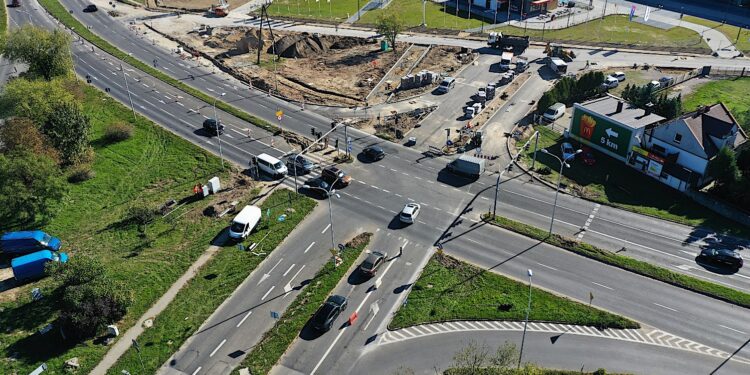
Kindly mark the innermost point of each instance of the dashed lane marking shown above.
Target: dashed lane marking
(588, 221)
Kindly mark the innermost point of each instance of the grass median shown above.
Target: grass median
(211, 286)
(60, 13)
(436, 16)
(629, 264)
(735, 34)
(449, 289)
(275, 342)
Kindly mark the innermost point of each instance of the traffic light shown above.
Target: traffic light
(312, 131)
(337, 143)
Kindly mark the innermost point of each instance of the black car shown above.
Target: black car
(317, 187)
(327, 314)
(213, 127)
(373, 153)
(726, 257)
(372, 263)
(90, 8)
(299, 163)
(333, 174)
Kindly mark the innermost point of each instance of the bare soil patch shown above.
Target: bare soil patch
(198, 4)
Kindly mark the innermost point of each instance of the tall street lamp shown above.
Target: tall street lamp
(526, 322)
(328, 192)
(563, 163)
(218, 128)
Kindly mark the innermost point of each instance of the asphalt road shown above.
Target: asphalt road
(385, 186)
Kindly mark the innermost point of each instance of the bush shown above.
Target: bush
(80, 173)
(545, 171)
(140, 215)
(118, 131)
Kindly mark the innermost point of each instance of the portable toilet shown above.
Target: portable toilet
(383, 45)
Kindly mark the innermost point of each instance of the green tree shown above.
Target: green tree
(20, 134)
(724, 168)
(547, 99)
(743, 161)
(34, 99)
(31, 189)
(89, 307)
(46, 52)
(80, 270)
(389, 24)
(68, 130)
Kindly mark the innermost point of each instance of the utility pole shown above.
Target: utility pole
(127, 88)
(218, 129)
(526, 322)
(424, 15)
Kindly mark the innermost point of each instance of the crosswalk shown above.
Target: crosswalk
(275, 24)
(648, 336)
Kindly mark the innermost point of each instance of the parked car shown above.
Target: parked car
(567, 151)
(726, 257)
(554, 112)
(244, 223)
(317, 187)
(327, 314)
(620, 76)
(90, 8)
(333, 174)
(446, 85)
(299, 163)
(25, 242)
(373, 153)
(666, 81)
(373, 261)
(409, 213)
(610, 82)
(213, 127)
(654, 84)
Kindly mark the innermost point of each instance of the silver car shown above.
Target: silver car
(409, 213)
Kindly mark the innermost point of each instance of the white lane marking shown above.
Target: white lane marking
(732, 329)
(399, 195)
(267, 293)
(546, 266)
(603, 286)
(217, 348)
(290, 268)
(297, 274)
(668, 308)
(326, 228)
(588, 222)
(385, 191)
(196, 370)
(244, 318)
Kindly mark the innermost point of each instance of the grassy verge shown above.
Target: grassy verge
(335, 10)
(145, 170)
(731, 32)
(276, 341)
(732, 92)
(410, 12)
(3, 24)
(59, 12)
(528, 369)
(611, 182)
(211, 286)
(618, 30)
(449, 289)
(629, 264)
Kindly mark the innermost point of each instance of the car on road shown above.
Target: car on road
(726, 257)
(335, 175)
(567, 151)
(409, 213)
(373, 261)
(373, 153)
(620, 76)
(299, 163)
(327, 314)
(90, 8)
(213, 127)
(317, 187)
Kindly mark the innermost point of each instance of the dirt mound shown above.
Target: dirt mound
(306, 45)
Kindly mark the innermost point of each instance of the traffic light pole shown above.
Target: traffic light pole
(296, 186)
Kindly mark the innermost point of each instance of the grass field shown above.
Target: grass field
(410, 12)
(449, 289)
(611, 182)
(148, 169)
(732, 92)
(743, 43)
(210, 287)
(335, 10)
(618, 30)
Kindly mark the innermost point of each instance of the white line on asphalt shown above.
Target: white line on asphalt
(217, 348)
(385, 191)
(290, 268)
(374, 187)
(296, 274)
(370, 321)
(732, 329)
(603, 286)
(196, 370)
(244, 318)
(668, 308)
(327, 226)
(277, 263)
(546, 266)
(399, 195)
(268, 292)
(485, 198)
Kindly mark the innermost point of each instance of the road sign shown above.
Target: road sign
(274, 314)
(279, 114)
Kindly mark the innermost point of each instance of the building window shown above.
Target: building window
(659, 149)
(677, 138)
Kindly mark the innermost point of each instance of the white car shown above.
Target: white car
(568, 151)
(620, 76)
(610, 82)
(409, 214)
(654, 84)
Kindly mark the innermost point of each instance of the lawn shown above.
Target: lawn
(276, 341)
(449, 289)
(211, 286)
(335, 10)
(732, 92)
(611, 182)
(743, 43)
(410, 12)
(618, 30)
(145, 170)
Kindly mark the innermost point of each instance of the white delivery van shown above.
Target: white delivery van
(271, 165)
(554, 112)
(244, 222)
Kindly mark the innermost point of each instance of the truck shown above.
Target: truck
(31, 266)
(505, 59)
(506, 42)
(557, 65)
(467, 166)
(473, 110)
(25, 242)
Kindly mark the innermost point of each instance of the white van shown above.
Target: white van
(244, 222)
(446, 85)
(554, 112)
(271, 165)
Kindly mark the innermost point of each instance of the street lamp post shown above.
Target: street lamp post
(330, 191)
(526, 322)
(218, 128)
(563, 163)
(127, 88)
(424, 15)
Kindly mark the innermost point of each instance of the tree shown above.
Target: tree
(474, 358)
(46, 52)
(89, 307)
(34, 99)
(724, 168)
(20, 134)
(68, 130)
(743, 161)
(79, 270)
(32, 187)
(389, 24)
(547, 99)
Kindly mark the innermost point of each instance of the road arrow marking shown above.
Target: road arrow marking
(267, 275)
(611, 133)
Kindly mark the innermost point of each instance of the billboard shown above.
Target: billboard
(598, 131)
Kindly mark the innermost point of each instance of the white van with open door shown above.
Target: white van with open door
(244, 222)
